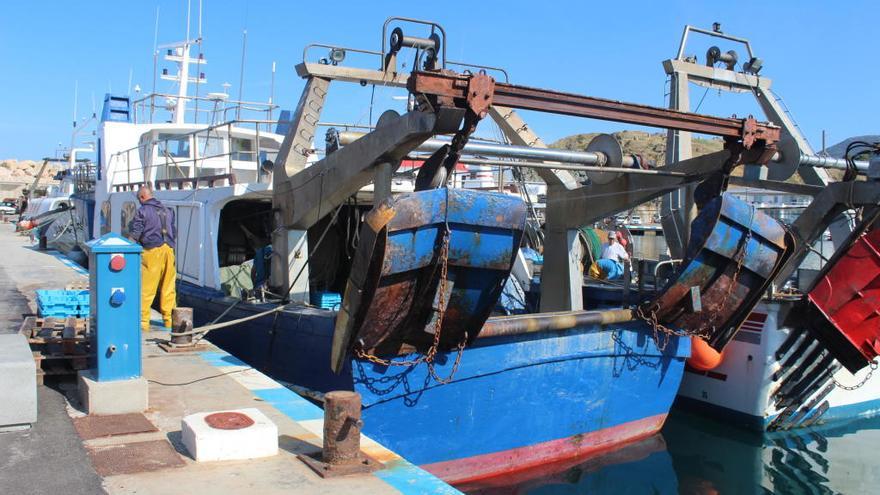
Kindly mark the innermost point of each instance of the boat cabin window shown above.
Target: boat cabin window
(173, 146)
(106, 216)
(209, 146)
(128, 211)
(242, 149)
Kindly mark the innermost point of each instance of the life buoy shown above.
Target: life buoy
(703, 356)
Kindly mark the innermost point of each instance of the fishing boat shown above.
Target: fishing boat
(780, 371)
(335, 271)
(441, 380)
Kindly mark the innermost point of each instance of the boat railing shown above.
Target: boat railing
(131, 168)
(152, 108)
(84, 176)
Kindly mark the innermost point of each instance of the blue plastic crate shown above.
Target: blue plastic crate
(63, 303)
(327, 300)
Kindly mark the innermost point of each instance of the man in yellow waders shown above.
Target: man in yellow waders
(153, 228)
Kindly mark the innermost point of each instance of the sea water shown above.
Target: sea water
(694, 455)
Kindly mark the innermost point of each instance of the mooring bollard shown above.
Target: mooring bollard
(342, 426)
(181, 322)
(341, 454)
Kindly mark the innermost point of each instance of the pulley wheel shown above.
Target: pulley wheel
(791, 159)
(607, 145)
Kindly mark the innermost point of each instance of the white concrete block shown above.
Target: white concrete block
(206, 443)
(18, 383)
(113, 397)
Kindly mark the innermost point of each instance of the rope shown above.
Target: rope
(216, 326)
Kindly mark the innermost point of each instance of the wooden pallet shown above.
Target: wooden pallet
(60, 345)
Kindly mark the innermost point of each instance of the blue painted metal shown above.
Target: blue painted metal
(395, 294)
(519, 391)
(116, 109)
(509, 392)
(115, 302)
(733, 254)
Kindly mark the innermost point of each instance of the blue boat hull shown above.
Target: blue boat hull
(513, 403)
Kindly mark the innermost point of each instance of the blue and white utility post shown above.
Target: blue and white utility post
(113, 384)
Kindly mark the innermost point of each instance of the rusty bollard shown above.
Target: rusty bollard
(341, 454)
(181, 322)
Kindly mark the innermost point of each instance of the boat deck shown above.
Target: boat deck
(53, 457)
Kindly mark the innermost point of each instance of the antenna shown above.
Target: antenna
(75, 95)
(272, 90)
(188, 9)
(241, 74)
(200, 20)
(130, 73)
(272, 85)
(155, 61)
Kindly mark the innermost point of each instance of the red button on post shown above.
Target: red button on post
(117, 262)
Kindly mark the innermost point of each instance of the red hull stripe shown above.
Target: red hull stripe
(710, 374)
(495, 464)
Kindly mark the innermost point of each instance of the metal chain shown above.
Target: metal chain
(431, 353)
(632, 359)
(444, 381)
(861, 383)
(740, 256)
(650, 317)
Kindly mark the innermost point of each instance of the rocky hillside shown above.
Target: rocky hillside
(650, 145)
(24, 171)
(839, 149)
(653, 147)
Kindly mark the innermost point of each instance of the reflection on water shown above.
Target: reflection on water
(710, 457)
(643, 467)
(697, 456)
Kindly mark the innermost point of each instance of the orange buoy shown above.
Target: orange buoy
(703, 356)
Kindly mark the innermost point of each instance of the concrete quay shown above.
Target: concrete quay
(68, 452)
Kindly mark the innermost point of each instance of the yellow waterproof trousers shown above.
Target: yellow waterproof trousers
(158, 271)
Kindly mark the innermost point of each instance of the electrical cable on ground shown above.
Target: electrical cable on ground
(197, 380)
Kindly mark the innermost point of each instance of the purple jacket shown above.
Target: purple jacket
(151, 219)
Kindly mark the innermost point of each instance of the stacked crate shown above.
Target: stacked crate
(63, 303)
(60, 345)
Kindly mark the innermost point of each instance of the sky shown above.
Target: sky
(819, 54)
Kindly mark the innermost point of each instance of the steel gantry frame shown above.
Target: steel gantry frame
(447, 99)
(794, 155)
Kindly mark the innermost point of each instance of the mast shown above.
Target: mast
(179, 53)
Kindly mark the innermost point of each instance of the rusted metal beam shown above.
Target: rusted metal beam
(448, 86)
(550, 322)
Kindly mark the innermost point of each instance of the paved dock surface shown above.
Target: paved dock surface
(62, 454)
(48, 458)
